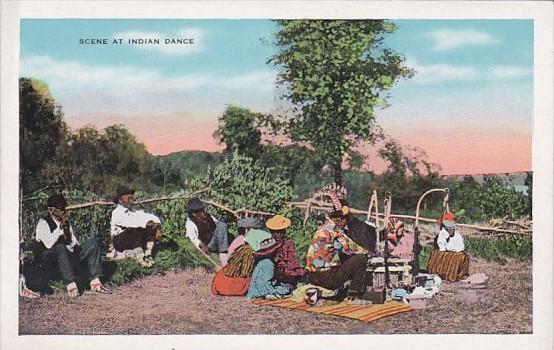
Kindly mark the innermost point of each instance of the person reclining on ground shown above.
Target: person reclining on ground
(323, 264)
(60, 246)
(448, 259)
(132, 229)
(205, 231)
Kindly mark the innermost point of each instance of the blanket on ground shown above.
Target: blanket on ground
(367, 313)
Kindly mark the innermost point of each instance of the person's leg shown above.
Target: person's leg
(63, 259)
(356, 268)
(130, 238)
(220, 241)
(91, 252)
(353, 269)
(152, 232)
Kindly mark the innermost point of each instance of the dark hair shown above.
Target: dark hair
(337, 214)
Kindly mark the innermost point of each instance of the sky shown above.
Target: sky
(469, 106)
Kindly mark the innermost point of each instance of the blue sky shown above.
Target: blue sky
(472, 73)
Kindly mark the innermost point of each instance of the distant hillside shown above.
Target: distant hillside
(516, 179)
(186, 164)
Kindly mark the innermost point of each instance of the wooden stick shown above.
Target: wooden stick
(482, 228)
(209, 258)
(248, 211)
(222, 207)
(90, 204)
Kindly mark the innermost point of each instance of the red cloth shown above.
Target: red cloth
(286, 260)
(448, 216)
(230, 286)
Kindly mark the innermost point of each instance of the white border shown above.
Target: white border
(542, 160)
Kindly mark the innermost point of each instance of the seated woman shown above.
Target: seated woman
(234, 278)
(400, 240)
(263, 284)
(287, 267)
(449, 260)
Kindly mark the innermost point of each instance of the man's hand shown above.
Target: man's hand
(204, 248)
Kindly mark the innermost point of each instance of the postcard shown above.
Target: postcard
(279, 174)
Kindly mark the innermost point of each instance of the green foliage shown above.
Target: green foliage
(424, 256)
(529, 183)
(170, 172)
(512, 246)
(492, 199)
(41, 130)
(101, 161)
(407, 177)
(241, 182)
(335, 72)
(186, 255)
(238, 131)
(299, 164)
(126, 271)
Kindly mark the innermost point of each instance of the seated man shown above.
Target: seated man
(62, 247)
(205, 231)
(323, 264)
(449, 261)
(132, 228)
(287, 267)
(361, 233)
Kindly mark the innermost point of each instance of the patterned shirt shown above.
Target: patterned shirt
(286, 260)
(327, 242)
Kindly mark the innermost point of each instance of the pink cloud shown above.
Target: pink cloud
(468, 148)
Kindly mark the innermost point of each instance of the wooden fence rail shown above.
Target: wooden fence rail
(308, 206)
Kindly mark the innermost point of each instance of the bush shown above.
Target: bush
(241, 182)
(512, 246)
(492, 199)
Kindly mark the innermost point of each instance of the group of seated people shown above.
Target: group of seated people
(258, 262)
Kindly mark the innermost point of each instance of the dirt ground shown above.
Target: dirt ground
(180, 302)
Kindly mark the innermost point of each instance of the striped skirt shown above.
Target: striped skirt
(452, 266)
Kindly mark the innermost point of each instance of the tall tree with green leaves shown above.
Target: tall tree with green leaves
(238, 130)
(41, 130)
(335, 73)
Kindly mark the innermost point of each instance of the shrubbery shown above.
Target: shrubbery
(241, 182)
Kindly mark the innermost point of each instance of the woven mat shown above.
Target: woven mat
(363, 313)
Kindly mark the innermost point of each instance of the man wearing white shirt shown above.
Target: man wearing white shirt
(56, 234)
(131, 228)
(205, 231)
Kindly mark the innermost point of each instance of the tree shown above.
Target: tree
(242, 182)
(335, 72)
(408, 175)
(41, 130)
(238, 130)
(99, 162)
